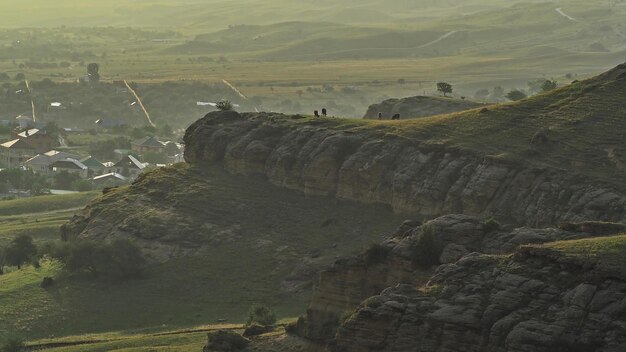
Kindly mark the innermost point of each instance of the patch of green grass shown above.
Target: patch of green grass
(39, 217)
(43, 204)
(602, 248)
(432, 290)
(605, 255)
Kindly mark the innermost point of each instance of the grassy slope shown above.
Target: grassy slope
(607, 254)
(251, 236)
(585, 123)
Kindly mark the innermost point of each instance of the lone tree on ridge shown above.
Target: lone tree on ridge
(444, 88)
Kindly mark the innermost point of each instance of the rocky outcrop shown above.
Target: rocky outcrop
(331, 157)
(349, 281)
(531, 302)
(412, 254)
(419, 106)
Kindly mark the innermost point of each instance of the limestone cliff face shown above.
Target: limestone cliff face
(419, 106)
(323, 157)
(351, 281)
(532, 302)
(342, 287)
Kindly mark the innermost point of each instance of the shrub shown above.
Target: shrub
(262, 315)
(347, 315)
(20, 251)
(376, 254)
(516, 95)
(549, 85)
(491, 225)
(224, 105)
(427, 249)
(373, 302)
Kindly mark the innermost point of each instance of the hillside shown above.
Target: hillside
(193, 226)
(420, 106)
(554, 157)
(536, 162)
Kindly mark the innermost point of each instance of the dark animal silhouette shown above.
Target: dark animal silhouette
(396, 117)
(380, 115)
(316, 114)
(324, 112)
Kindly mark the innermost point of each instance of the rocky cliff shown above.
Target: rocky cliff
(567, 296)
(337, 158)
(419, 106)
(409, 258)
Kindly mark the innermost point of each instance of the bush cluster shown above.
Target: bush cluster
(427, 248)
(119, 259)
(261, 315)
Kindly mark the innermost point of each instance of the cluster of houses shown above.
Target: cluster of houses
(34, 149)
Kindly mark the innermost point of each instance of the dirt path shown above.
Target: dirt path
(437, 40)
(235, 89)
(140, 104)
(32, 103)
(560, 11)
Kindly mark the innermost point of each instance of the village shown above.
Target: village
(41, 149)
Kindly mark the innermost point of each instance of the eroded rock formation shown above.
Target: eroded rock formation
(531, 302)
(325, 157)
(444, 240)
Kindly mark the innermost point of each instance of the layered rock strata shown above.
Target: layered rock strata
(329, 157)
(532, 302)
(351, 281)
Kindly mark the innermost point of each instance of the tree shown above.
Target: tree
(224, 105)
(20, 251)
(548, 85)
(444, 88)
(93, 72)
(4, 77)
(19, 77)
(261, 315)
(516, 95)
(118, 259)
